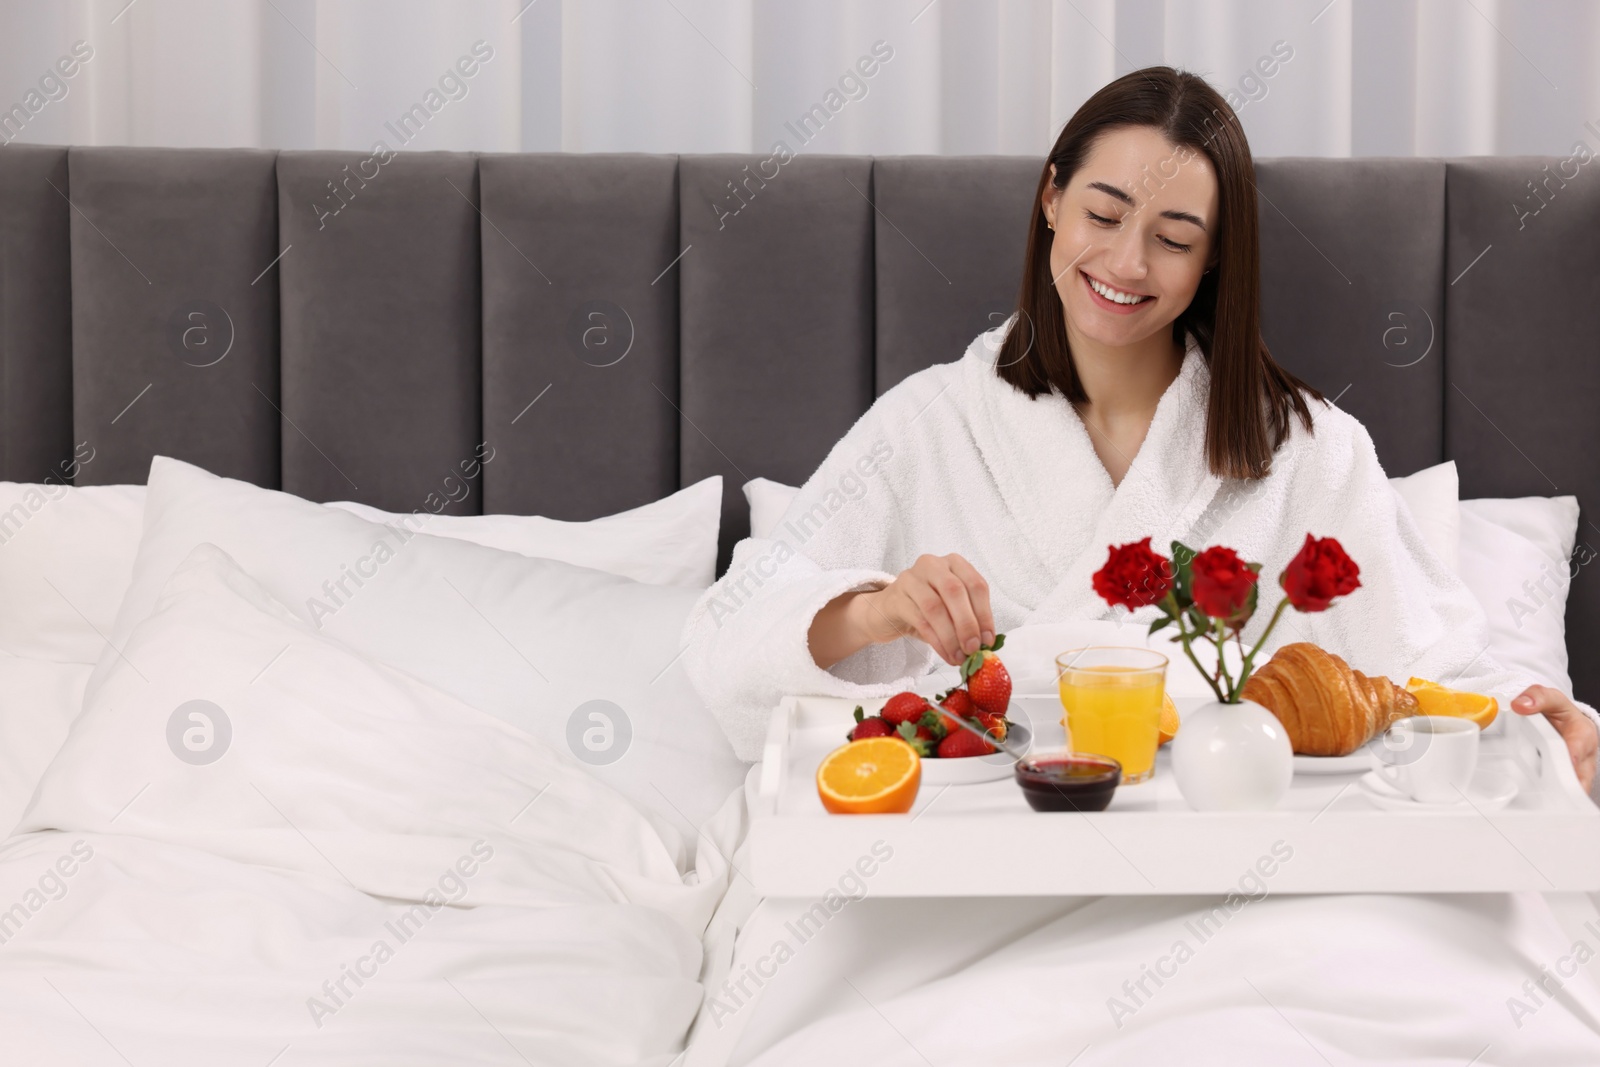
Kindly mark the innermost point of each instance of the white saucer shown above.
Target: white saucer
(1354, 763)
(972, 769)
(1489, 791)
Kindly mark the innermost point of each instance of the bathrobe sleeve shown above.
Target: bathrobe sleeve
(746, 639)
(1411, 616)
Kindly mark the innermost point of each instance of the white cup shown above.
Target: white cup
(1429, 758)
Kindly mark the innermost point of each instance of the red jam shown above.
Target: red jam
(1069, 782)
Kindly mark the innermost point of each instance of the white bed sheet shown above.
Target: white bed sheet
(38, 701)
(158, 909)
(161, 953)
(1413, 980)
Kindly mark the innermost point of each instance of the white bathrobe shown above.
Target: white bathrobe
(953, 459)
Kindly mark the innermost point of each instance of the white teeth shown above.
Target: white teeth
(1112, 294)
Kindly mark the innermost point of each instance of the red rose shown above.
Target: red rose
(1134, 576)
(1221, 583)
(1319, 573)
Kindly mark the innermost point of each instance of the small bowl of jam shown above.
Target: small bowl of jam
(1068, 781)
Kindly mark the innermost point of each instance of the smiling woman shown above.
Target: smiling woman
(1131, 396)
(1147, 230)
(1131, 399)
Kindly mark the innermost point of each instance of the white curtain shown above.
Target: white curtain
(1308, 77)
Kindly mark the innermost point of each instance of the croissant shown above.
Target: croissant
(1327, 707)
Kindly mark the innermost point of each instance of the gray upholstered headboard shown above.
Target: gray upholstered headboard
(349, 326)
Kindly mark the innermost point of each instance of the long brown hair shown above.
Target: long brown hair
(1252, 397)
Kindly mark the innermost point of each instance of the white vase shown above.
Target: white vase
(1232, 757)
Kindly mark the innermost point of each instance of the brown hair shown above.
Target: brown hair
(1251, 396)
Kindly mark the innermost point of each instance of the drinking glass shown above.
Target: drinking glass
(1112, 699)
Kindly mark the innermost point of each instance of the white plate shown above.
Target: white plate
(972, 769)
(1356, 762)
(1489, 791)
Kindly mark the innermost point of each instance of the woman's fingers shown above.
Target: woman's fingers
(934, 614)
(957, 602)
(961, 615)
(978, 596)
(943, 600)
(1575, 728)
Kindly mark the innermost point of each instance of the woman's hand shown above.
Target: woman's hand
(1575, 728)
(941, 599)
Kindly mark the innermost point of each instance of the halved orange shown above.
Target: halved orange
(1169, 720)
(875, 775)
(1437, 699)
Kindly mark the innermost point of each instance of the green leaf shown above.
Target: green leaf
(1250, 604)
(859, 713)
(907, 731)
(1182, 574)
(1165, 620)
(999, 639)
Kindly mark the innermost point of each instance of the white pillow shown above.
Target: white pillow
(1515, 557)
(1431, 495)
(66, 553)
(671, 541)
(351, 746)
(66, 556)
(527, 640)
(768, 501)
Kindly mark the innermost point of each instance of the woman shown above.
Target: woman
(1130, 396)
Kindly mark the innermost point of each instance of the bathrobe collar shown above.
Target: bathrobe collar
(1063, 500)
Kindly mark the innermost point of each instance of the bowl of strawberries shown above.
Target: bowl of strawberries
(956, 732)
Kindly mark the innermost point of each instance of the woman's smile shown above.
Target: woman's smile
(1113, 299)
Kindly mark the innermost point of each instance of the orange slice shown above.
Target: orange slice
(1169, 720)
(1437, 699)
(875, 775)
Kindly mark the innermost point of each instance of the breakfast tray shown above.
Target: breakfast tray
(1329, 836)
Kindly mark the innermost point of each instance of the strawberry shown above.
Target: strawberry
(961, 743)
(920, 737)
(959, 701)
(957, 704)
(996, 725)
(869, 726)
(987, 679)
(904, 707)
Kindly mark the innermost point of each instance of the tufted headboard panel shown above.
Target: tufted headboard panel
(351, 326)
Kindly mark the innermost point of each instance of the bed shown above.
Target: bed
(416, 779)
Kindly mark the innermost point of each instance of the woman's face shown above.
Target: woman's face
(1138, 220)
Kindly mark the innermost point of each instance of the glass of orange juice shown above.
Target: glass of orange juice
(1112, 697)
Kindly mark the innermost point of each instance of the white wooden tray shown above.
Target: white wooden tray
(983, 839)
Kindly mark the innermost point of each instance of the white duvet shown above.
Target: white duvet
(1423, 981)
(328, 862)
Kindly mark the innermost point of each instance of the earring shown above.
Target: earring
(1051, 226)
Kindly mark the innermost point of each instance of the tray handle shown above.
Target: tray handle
(779, 728)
